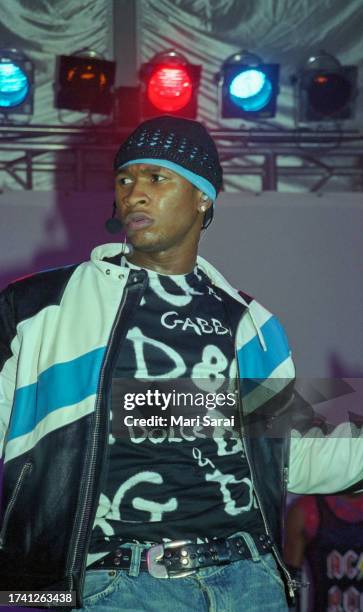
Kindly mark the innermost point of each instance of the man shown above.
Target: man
(327, 532)
(135, 516)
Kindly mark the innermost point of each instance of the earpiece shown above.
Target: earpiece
(204, 198)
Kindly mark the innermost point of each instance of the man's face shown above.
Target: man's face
(159, 208)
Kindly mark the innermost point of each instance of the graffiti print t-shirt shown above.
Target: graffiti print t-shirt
(176, 478)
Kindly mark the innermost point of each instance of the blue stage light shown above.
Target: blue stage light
(14, 84)
(248, 87)
(251, 90)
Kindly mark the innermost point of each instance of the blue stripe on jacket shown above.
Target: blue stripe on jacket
(256, 365)
(63, 384)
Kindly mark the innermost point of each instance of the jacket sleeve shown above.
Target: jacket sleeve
(326, 464)
(8, 361)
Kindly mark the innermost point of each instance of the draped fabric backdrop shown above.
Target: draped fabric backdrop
(207, 32)
(280, 31)
(43, 29)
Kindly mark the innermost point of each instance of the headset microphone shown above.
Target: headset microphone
(113, 225)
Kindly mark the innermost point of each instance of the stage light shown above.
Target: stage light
(85, 82)
(326, 90)
(169, 85)
(247, 87)
(251, 90)
(16, 82)
(170, 89)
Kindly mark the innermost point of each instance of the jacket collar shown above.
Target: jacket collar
(111, 249)
(102, 254)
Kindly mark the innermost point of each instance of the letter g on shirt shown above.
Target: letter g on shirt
(200, 326)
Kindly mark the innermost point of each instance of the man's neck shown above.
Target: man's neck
(163, 263)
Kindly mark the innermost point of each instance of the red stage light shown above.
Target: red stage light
(169, 84)
(170, 88)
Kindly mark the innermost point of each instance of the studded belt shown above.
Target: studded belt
(183, 557)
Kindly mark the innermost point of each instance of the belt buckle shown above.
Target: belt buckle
(156, 552)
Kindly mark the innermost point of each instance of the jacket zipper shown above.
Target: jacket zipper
(290, 582)
(92, 462)
(27, 467)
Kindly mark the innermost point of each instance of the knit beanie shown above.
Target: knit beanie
(182, 145)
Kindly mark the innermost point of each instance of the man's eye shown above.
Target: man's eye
(157, 178)
(124, 180)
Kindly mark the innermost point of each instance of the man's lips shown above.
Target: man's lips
(135, 221)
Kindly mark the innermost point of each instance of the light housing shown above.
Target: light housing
(327, 90)
(85, 82)
(169, 86)
(16, 82)
(248, 88)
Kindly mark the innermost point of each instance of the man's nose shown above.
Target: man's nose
(136, 195)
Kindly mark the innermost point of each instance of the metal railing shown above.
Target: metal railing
(81, 152)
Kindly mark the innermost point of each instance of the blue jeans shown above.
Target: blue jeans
(248, 585)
